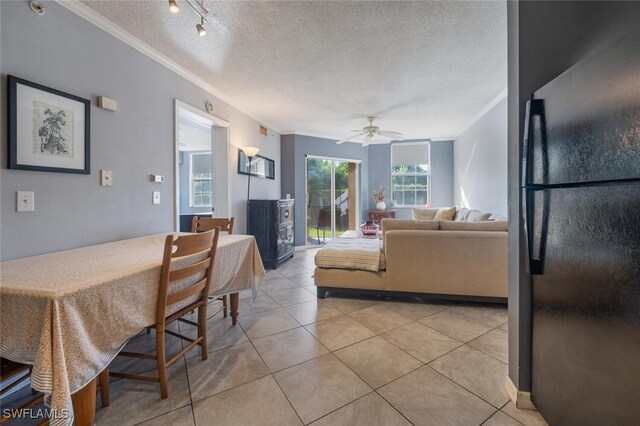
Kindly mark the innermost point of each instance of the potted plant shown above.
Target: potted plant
(379, 197)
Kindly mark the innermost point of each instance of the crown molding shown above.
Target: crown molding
(495, 101)
(109, 27)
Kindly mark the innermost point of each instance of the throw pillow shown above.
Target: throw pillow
(423, 213)
(461, 215)
(477, 226)
(477, 216)
(445, 213)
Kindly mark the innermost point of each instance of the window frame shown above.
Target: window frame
(415, 191)
(192, 181)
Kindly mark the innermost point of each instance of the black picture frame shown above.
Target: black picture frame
(20, 139)
(265, 168)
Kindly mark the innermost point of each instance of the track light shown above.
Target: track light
(173, 6)
(200, 28)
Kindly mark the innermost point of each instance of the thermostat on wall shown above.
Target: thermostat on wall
(157, 178)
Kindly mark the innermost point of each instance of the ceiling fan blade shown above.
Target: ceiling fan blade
(341, 141)
(367, 140)
(357, 131)
(390, 134)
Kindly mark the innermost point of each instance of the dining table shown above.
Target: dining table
(69, 313)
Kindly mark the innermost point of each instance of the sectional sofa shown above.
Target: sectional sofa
(464, 257)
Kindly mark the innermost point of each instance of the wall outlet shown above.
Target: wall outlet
(106, 178)
(25, 201)
(156, 197)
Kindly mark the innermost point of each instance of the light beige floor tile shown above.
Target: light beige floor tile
(311, 289)
(490, 315)
(221, 333)
(338, 332)
(262, 303)
(320, 386)
(379, 319)
(501, 419)
(377, 361)
(312, 311)
(134, 401)
(422, 342)
(426, 397)
(224, 370)
(129, 365)
(526, 417)
(303, 279)
(180, 417)
(260, 402)
(266, 323)
(282, 350)
(348, 305)
(494, 343)
(417, 310)
(277, 284)
(504, 327)
(289, 297)
(290, 269)
(455, 326)
(477, 372)
(370, 410)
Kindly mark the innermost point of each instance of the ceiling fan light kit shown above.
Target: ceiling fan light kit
(369, 132)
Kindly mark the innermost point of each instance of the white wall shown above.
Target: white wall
(480, 163)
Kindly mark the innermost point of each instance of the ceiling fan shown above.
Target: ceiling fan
(369, 132)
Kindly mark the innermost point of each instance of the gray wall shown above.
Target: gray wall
(294, 149)
(441, 174)
(545, 39)
(63, 51)
(480, 163)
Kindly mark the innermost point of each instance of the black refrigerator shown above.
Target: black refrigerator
(581, 207)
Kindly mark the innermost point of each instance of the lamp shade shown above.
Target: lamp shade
(250, 151)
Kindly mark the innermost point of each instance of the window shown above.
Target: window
(200, 179)
(410, 174)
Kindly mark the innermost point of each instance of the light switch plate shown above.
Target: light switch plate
(25, 201)
(156, 197)
(106, 178)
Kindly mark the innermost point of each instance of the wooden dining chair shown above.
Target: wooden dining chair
(185, 281)
(202, 224)
(12, 373)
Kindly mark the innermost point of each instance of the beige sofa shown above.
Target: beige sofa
(446, 259)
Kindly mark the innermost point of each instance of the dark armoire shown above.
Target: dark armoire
(271, 222)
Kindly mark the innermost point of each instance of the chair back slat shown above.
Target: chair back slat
(181, 295)
(192, 244)
(188, 271)
(195, 258)
(203, 224)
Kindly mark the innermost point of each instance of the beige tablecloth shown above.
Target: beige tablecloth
(69, 313)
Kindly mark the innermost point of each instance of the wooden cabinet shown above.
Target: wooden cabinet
(378, 215)
(271, 222)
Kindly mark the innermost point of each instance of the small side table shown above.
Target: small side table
(378, 215)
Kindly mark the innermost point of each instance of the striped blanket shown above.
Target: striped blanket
(352, 253)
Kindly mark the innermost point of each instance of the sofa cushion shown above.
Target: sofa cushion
(474, 226)
(400, 224)
(445, 213)
(423, 213)
(461, 215)
(477, 216)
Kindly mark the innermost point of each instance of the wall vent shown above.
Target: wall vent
(263, 130)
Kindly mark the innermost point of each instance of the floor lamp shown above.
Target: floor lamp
(249, 152)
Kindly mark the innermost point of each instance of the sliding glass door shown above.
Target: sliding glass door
(332, 198)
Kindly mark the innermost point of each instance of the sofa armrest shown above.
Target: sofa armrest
(447, 262)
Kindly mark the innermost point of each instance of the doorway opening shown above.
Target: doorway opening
(201, 165)
(332, 198)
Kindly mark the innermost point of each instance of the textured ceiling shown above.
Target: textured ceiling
(423, 68)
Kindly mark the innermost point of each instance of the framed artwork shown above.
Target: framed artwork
(261, 167)
(48, 129)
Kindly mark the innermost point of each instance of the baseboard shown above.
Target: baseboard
(519, 398)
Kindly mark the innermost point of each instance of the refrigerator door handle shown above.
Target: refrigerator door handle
(534, 265)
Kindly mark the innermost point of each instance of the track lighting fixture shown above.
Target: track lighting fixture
(173, 6)
(200, 28)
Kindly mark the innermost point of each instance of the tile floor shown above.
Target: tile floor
(295, 360)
